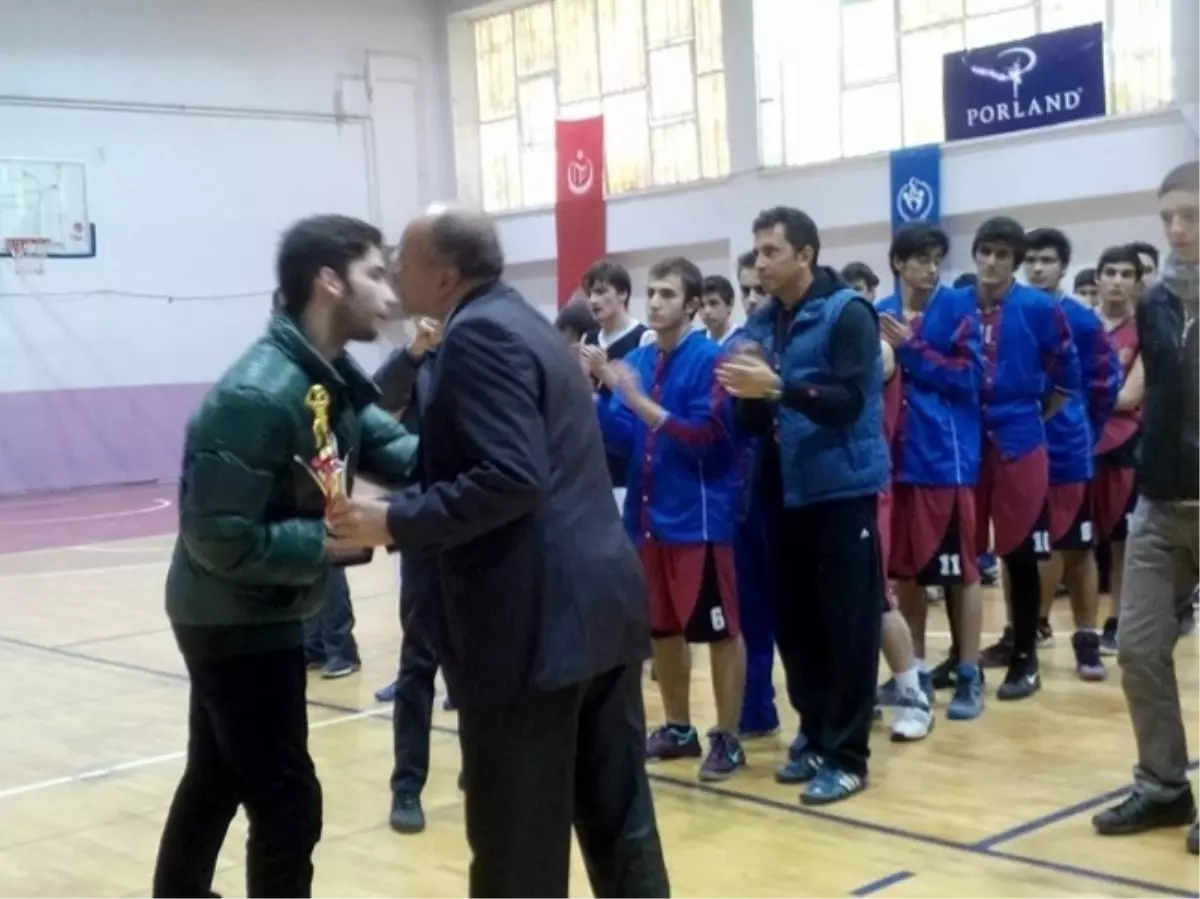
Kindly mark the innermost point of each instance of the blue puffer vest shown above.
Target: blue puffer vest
(819, 464)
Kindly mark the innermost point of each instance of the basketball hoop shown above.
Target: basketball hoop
(28, 254)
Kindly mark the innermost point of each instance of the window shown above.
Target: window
(653, 68)
(869, 76)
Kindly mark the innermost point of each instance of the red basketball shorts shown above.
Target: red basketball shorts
(692, 589)
(935, 532)
(1114, 494)
(1068, 516)
(1011, 497)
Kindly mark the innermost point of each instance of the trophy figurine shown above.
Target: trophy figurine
(327, 468)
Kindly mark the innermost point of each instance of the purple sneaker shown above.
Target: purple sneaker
(725, 757)
(671, 742)
(1088, 664)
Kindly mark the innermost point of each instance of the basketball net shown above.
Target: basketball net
(28, 254)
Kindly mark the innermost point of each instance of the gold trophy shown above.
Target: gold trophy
(327, 468)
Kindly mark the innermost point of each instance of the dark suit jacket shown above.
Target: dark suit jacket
(540, 587)
(405, 385)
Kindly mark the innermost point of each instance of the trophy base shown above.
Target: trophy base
(350, 558)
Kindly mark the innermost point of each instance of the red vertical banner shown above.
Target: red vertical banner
(579, 216)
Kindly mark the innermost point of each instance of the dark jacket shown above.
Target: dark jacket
(1170, 428)
(249, 562)
(540, 587)
(405, 384)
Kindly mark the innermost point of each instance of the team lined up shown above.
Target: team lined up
(775, 476)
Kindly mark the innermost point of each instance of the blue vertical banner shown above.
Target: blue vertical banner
(916, 185)
(1044, 79)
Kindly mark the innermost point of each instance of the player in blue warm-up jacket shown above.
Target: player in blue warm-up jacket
(934, 331)
(1031, 368)
(1071, 437)
(673, 422)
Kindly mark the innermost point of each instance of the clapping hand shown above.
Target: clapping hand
(747, 376)
(622, 379)
(894, 331)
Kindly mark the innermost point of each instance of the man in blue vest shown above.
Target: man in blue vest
(809, 378)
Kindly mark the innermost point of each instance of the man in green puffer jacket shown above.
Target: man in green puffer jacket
(251, 561)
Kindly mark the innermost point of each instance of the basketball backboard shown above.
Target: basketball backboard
(46, 199)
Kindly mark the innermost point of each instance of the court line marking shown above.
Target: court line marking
(63, 572)
(155, 506)
(95, 774)
(868, 889)
(711, 789)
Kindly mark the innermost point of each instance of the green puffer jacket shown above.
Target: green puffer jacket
(249, 563)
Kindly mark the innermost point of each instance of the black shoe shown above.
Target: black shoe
(407, 815)
(945, 674)
(1136, 814)
(1022, 679)
(999, 654)
(1193, 839)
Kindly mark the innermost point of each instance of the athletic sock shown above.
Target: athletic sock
(908, 681)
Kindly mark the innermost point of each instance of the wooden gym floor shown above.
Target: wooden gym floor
(92, 733)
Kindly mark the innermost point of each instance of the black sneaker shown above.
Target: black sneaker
(1022, 679)
(1108, 638)
(1193, 839)
(944, 675)
(1045, 634)
(340, 666)
(407, 815)
(1088, 664)
(1136, 814)
(999, 654)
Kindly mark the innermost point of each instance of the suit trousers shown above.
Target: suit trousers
(412, 715)
(248, 746)
(545, 762)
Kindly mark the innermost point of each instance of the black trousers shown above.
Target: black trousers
(247, 745)
(412, 715)
(537, 766)
(330, 633)
(829, 601)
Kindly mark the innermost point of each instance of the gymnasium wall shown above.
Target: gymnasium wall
(207, 127)
(1066, 177)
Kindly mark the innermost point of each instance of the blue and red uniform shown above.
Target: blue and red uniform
(682, 488)
(1071, 434)
(1114, 486)
(936, 448)
(1028, 352)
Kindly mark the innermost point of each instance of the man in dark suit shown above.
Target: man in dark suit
(542, 625)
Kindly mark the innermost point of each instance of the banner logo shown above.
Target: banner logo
(914, 200)
(1041, 80)
(581, 174)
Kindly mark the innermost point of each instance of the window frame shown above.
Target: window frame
(651, 126)
(775, 107)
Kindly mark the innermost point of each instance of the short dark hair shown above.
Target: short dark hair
(1086, 278)
(860, 271)
(798, 227)
(470, 243)
(721, 286)
(1149, 249)
(747, 260)
(1050, 239)
(967, 279)
(322, 241)
(1185, 177)
(576, 318)
(1004, 230)
(1126, 253)
(606, 273)
(687, 272)
(916, 239)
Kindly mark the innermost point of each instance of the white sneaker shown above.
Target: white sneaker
(914, 718)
